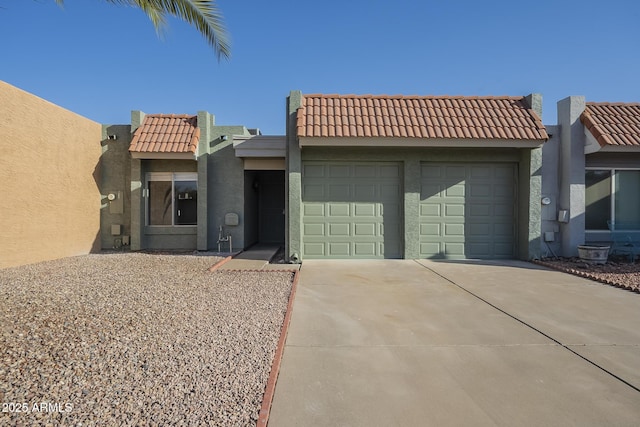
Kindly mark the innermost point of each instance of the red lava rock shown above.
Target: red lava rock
(619, 274)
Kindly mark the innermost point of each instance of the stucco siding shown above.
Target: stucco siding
(48, 180)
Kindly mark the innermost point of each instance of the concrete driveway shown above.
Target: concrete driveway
(401, 342)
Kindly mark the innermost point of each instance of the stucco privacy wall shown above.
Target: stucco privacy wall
(48, 180)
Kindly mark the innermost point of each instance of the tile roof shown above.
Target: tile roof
(449, 117)
(613, 124)
(166, 133)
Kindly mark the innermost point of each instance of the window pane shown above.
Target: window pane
(159, 203)
(627, 200)
(186, 202)
(597, 199)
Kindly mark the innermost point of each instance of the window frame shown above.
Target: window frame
(167, 177)
(612, 192)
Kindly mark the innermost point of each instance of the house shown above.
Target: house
(179, 182)
(413, 176)
(591, 174)
(355, 176)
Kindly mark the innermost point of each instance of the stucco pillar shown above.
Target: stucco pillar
(530, 205)
(293, 228)
(136, 188)
(572, 164)
(412, 209)
(205, 124)
(137, 220)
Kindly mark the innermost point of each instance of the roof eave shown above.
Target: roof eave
(164, 155)
(417, 142)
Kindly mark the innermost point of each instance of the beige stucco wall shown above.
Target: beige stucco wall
(49, 196)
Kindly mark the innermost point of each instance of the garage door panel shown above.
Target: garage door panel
(339, 229)
(314, 249)
(314, 229)
(390, 171)
(431, 230)
(453, 248)
(313, 192)
(314, 171)
(364, 171)
(503, 190)
(339, 248)
(339, 171)
(453, 229)
(503, 250)
(503, 230)
(364, 249)
(431, 171)
(430, 248)
(365, 191)
(501, 209)
(503, 172)
(475, 230)
(429, 189)
(431, 210)
(454, 190)
(339, 209)
(362, 210)
(339, 193)
(389, 192)
(313, 209)
(391, 212)
(479, 210)
(472, 213)
(455, 172)
(368, 230)
(480, 190)
(452, 210)
(479, 172)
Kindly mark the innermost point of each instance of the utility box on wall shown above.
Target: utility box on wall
(116, 203)
(116, 229)
(231, 219)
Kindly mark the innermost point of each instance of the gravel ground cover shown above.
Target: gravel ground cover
(622, 274)
(137, 339)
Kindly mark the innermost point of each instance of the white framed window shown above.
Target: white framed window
(171, 199)
(612, 195)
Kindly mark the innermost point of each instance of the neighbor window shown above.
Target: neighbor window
(612, 195)
(172, 199)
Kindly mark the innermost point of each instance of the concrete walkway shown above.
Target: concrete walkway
(257, 258)
(400, 342)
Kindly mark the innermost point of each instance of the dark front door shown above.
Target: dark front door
(271, 196)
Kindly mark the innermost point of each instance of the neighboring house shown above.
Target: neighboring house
(413, 176)
(180, 182)
(591, 174)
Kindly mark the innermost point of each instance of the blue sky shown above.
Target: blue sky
(102, 61)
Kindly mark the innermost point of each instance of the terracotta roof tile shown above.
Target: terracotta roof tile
(613, 124)
(449, 117)
(166, 133)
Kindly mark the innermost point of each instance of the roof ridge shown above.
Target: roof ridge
(399, 96)
(614, 104)
(171, 115)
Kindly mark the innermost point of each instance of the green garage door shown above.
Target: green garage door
(467, 210)
(351, 210)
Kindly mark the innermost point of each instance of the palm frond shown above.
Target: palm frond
(204, 15)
